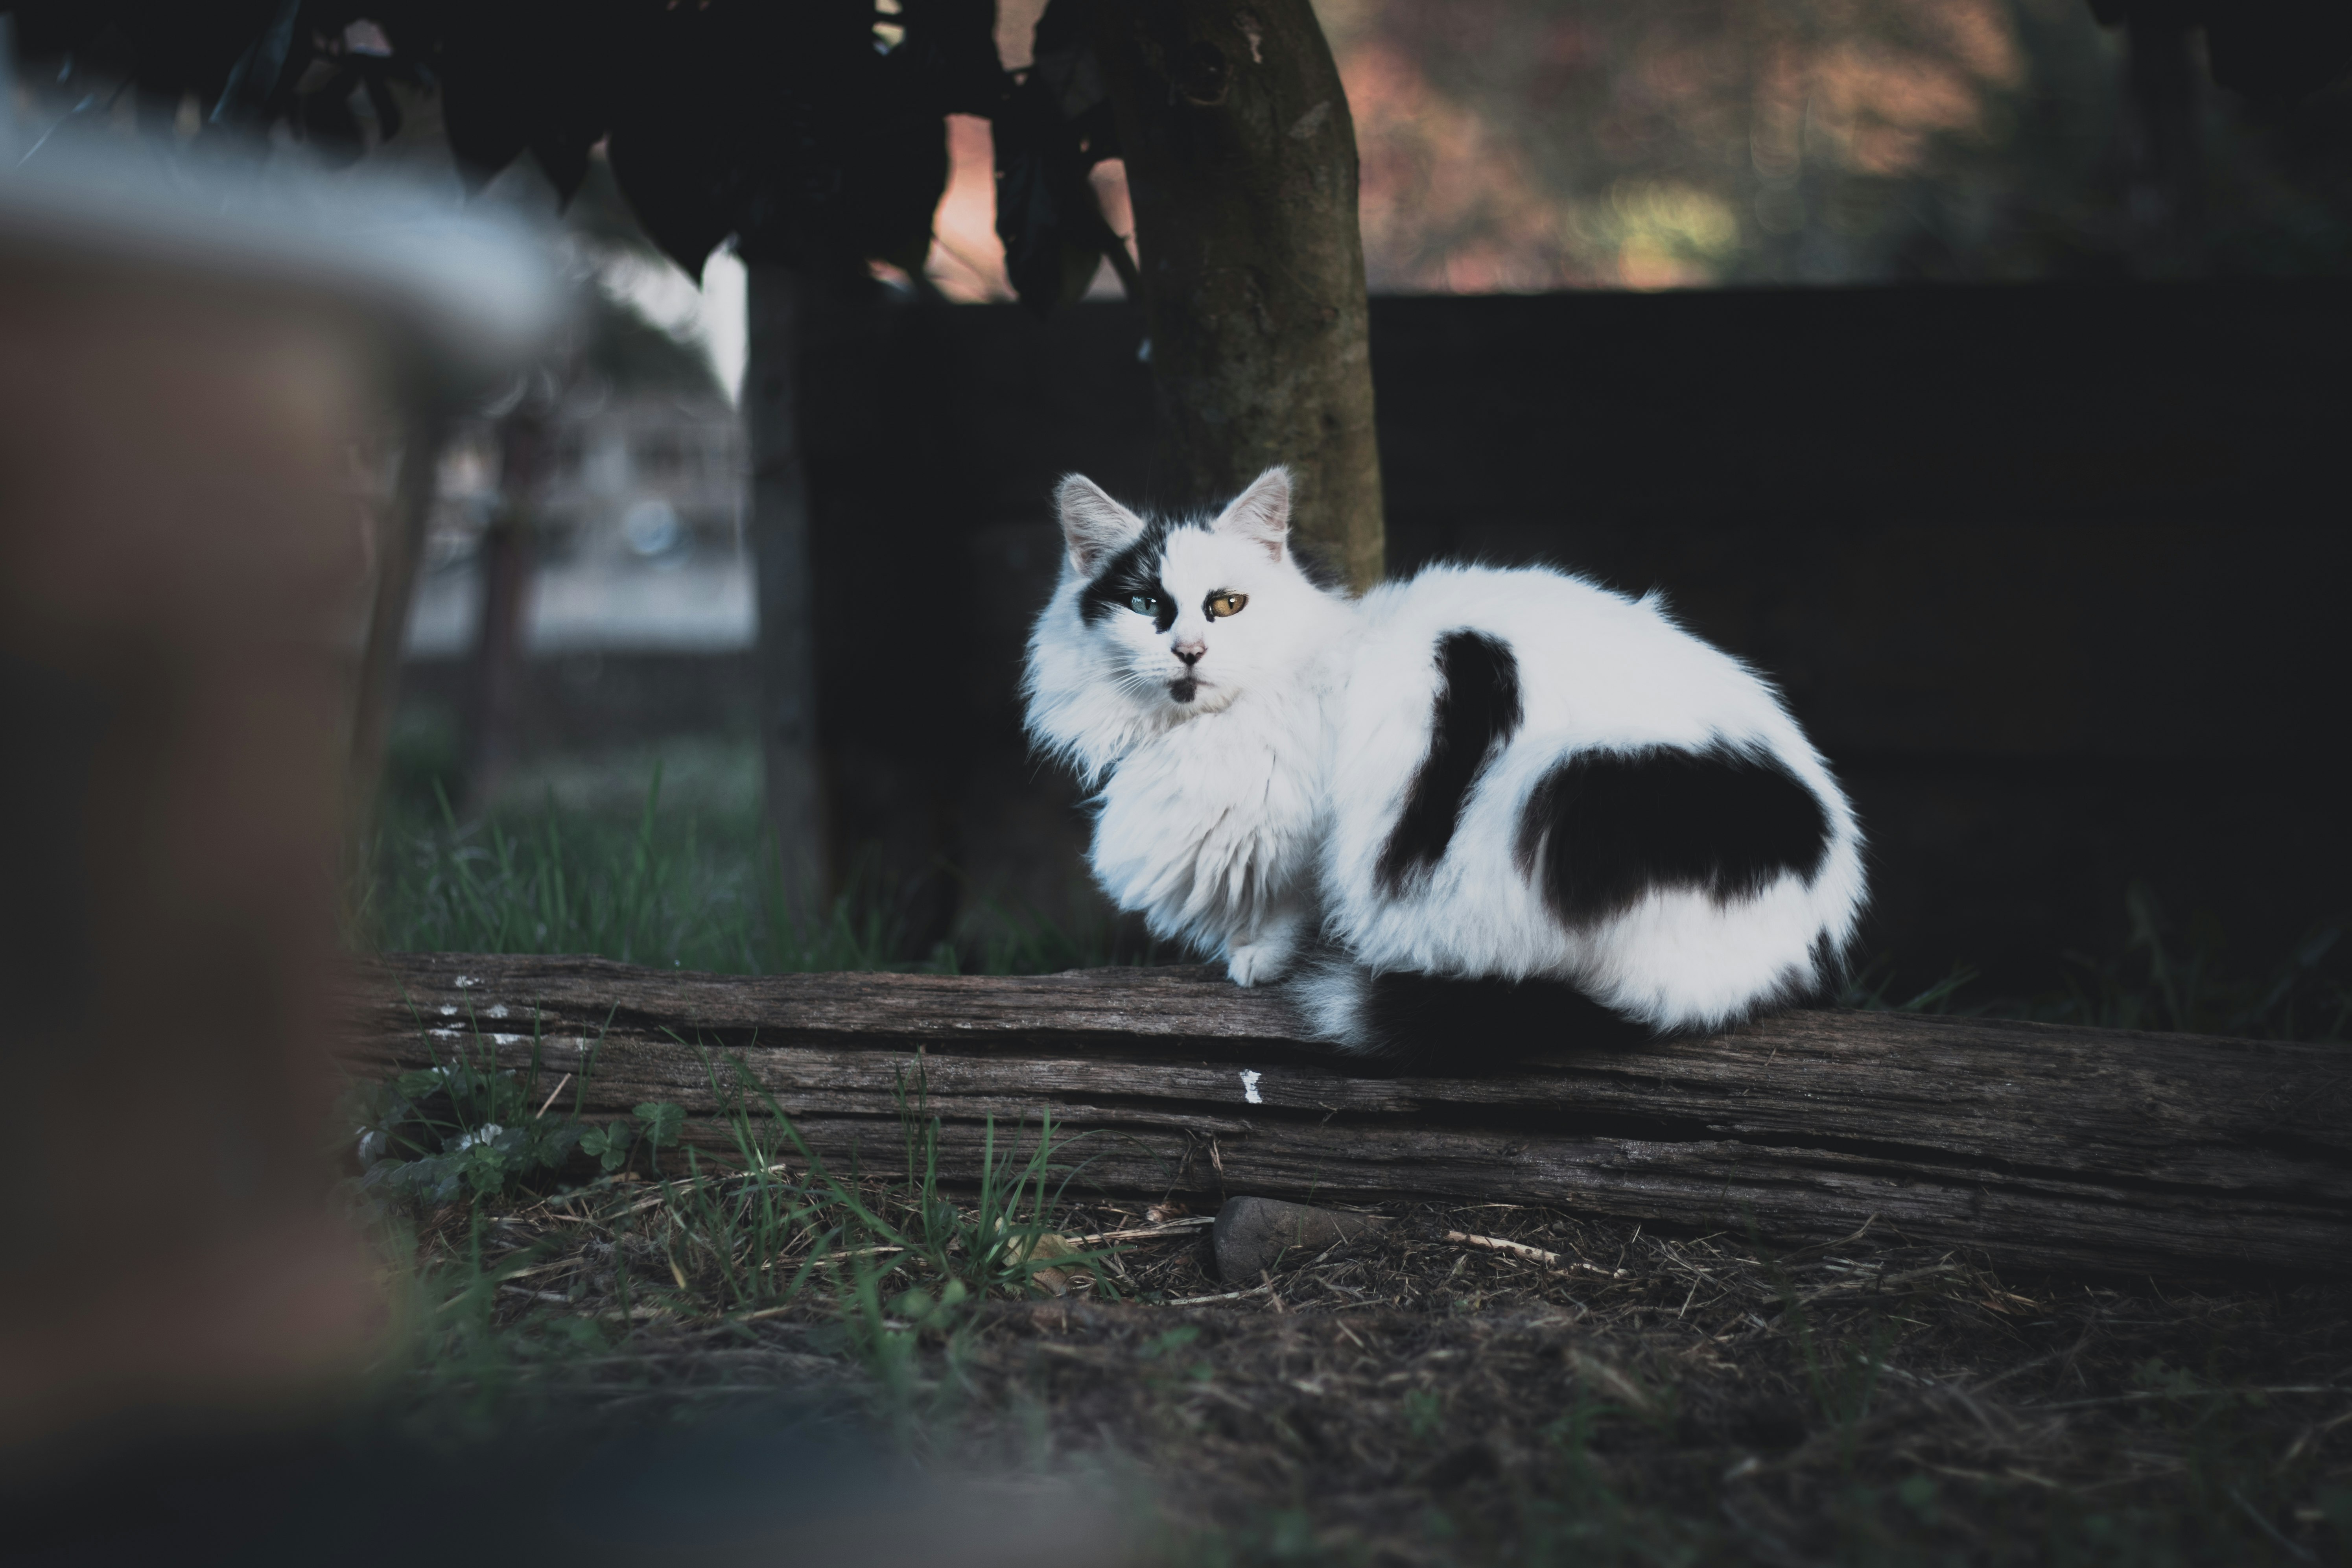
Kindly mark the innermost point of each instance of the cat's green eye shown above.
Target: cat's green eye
(1223, 604)
(1143, 605)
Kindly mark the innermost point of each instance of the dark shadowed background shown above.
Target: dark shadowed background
(2050, 573)
(1984, 399)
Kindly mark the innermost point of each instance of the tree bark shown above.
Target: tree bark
(1241, 159)
(2077, 1150)
(779, 310)
(400, 535)
(508, 553)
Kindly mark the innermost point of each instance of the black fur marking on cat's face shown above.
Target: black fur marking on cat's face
(1477, 711)
(1133, 573)
(1445, 1024)
(1601, 829)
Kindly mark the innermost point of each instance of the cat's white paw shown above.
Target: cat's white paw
(1256, 962)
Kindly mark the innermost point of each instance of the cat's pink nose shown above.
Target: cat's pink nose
(1191, 652)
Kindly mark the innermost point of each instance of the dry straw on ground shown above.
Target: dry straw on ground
(1498, 1384)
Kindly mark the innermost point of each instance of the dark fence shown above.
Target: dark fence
(2054, 576)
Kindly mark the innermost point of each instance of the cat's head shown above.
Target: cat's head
(1157, 622)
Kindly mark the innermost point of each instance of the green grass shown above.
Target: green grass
(2182, 981)
(885, 1263)
(2161, 977)
(664, 888)
(694, 889)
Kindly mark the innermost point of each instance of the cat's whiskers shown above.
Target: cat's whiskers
(1152, 689)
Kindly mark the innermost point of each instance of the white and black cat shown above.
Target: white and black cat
(1484, 802)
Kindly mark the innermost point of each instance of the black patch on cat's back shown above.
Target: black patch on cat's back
(1601, 828)
(1134, 570)
(1477, 709)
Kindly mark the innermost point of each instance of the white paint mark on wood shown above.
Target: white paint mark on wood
(506, 1039)
(448, 1009)
(499, 1010)
(466, 980)
(1249, 1088)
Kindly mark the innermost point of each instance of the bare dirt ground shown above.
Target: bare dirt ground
(1506, 1384)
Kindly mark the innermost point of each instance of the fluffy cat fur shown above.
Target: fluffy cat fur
(1469, 805)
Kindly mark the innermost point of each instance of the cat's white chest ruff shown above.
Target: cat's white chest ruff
(1210, 828)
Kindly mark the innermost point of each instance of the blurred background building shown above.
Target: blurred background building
(639, 531)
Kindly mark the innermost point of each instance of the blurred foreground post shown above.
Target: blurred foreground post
(188, 359)
(178, 566)
(1241, 158)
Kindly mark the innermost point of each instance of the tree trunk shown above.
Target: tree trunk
(1241, 159)
(779, 310)
(400, 535)
(494, 695)
(2045, 1148)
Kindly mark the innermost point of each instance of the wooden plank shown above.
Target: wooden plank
(2073, 1150)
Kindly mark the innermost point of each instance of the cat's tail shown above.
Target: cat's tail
(1405, 1021)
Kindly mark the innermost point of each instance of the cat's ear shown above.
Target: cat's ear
(1093, 525)
(1261, 513)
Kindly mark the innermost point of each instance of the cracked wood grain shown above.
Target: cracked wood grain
(2044, 1147)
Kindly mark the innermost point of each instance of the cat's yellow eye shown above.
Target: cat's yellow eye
(1223, 604)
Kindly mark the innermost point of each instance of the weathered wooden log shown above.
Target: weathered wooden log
(2078, 1151)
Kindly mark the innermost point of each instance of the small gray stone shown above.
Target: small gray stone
(1253, 1235)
